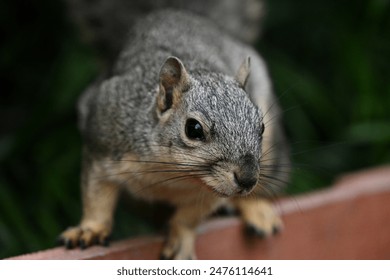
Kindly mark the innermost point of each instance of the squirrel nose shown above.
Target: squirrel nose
(246, 175)
(244, 181)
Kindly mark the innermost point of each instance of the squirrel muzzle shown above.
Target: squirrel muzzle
(246, 175)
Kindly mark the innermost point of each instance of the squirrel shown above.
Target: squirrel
(179, 120)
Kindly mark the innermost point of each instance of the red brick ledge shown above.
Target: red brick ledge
(350, 220)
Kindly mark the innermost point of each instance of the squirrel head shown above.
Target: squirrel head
(207, 125)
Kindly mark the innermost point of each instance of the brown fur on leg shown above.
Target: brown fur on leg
(99, 200)
(180, 243)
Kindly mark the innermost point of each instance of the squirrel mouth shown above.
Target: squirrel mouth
(224, 194)
(236, 192)
(225, 190)
(240, 193)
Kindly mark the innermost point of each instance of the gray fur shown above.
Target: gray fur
(118, 115)
(181, 119)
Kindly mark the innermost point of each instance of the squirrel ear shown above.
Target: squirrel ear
(243, 72)
(174, 80)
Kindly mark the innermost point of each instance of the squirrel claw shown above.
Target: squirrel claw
(84, 237)
(164, 257)
(106, 241)
(276, 230)
(69, 244)
(252, 230)
(82, 245)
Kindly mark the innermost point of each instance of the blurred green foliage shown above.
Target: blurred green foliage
(328, 61)
(329, 64)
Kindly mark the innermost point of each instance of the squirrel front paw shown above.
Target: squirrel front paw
(85, 235)
(260, 218)
(179, 245)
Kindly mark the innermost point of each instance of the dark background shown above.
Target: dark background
(329, 61)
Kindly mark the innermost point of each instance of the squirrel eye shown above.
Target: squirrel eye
(194, 130)
(262, 128)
